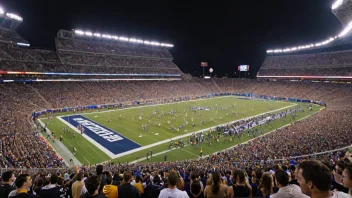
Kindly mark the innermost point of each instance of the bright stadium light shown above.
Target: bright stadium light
(133, 40)
(146, 42)
(2, 11)
(14, 16)
(88, 33)
(80, 32)
(97, 35)
(115, 37)
(336, 4)
(107, 36)
(346, 30)
(139, 41)
(123, 38)
(269, 51)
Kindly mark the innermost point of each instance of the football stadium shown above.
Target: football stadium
(107, 115)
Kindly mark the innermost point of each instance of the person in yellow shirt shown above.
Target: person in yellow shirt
(201, 152)
(139, 185)
(109, 190)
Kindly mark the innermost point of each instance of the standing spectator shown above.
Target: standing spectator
(286, 190)
(78, 187)
(172, 191)
(139, 185)
(92, 185)
(196, 190)
(7, 179)
(102, 178)
(23, 183)
(240, 186)
(315, 179)
(53, 190)
(109, 190)
(126, 190)
(153, 189)
(215, 190)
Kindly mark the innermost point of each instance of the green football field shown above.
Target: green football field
(158, 133)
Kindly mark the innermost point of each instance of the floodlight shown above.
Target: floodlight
(346, 30)
(123, 38)
(97, 35)
(107, 36)
(88, 33)
(269, 51)
(139, 41)
(318, 44)
(133, 40)
(2, 11)
(277, 50)
(79, 32)
(14, 16)
(146, 42)
(294, 48)
(336, 4)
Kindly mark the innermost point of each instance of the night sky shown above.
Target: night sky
(225, 33)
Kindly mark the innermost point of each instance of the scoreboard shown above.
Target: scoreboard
(243, 68)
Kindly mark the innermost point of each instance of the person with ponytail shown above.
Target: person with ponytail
(216, 189)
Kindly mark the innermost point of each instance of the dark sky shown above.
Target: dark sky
(226, 33)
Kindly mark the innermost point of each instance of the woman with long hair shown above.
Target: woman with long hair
(266, 185)
(240, 185)
(216, 189)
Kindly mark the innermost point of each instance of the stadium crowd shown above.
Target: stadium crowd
(268, 166)
(318, 64)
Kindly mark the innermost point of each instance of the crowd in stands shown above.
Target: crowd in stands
(113, 47)
(8, 35)
(309, 178)
(319, 64)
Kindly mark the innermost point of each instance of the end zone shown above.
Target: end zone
(107, 140)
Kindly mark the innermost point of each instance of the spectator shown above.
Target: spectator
(139, 185)
(6, 186)
(215, 190)
(240, 186)
(347, 178)
(153, 189)
(314, 179)
(196, 189)
(78, 187)
(92, 186)
(23, 183)
(53, 190)
(266, 186)
(101, 176)
(172, 190)
(126, 190)
(109, 190)
(286, 190)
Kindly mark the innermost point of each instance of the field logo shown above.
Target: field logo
(107, 140)
(106, 134)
